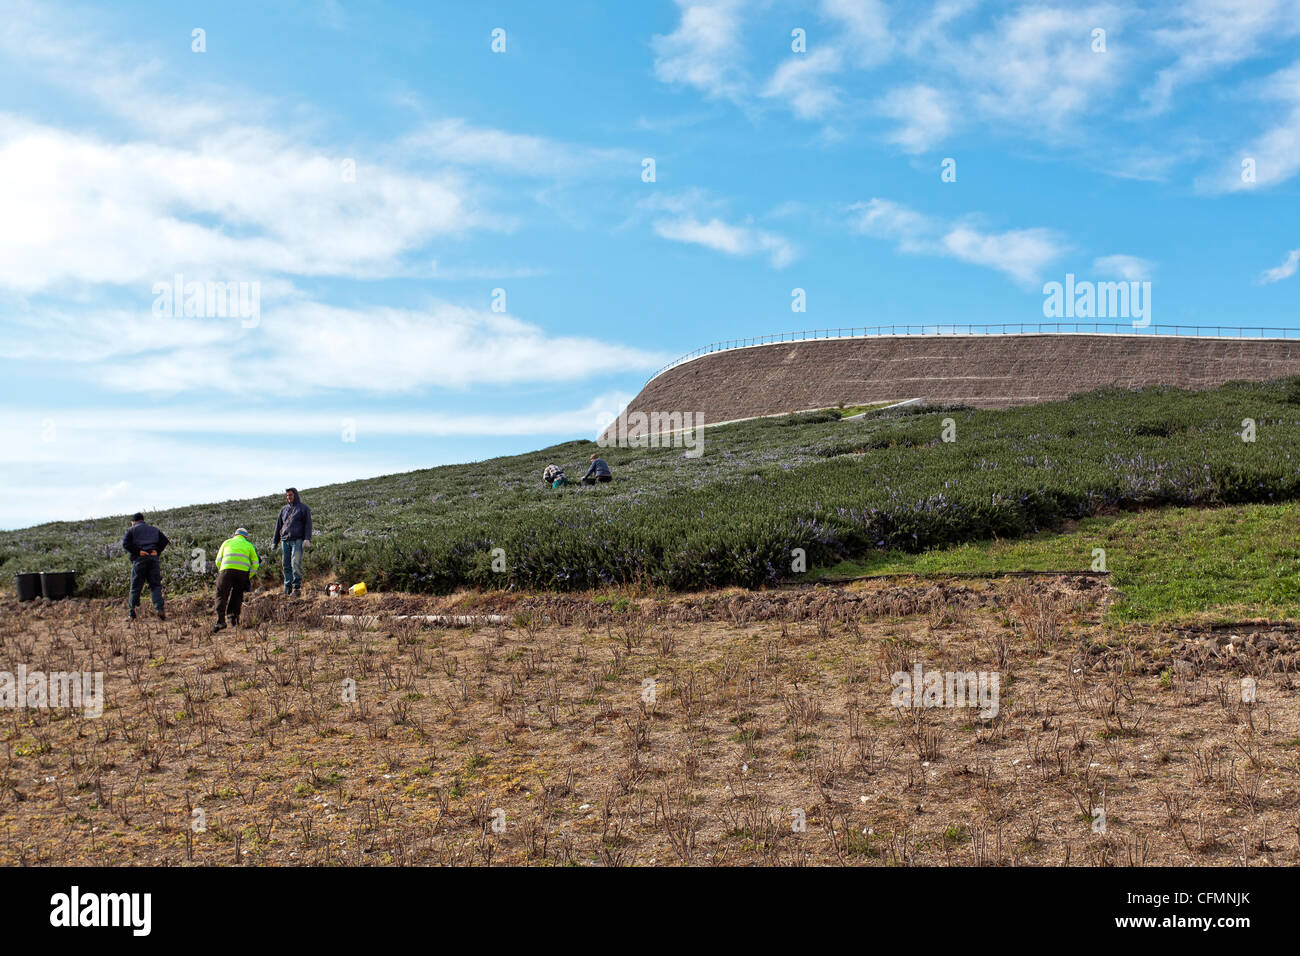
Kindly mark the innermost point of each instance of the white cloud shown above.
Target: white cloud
(91, 221)
(207, 183)
(75, 426)
(233, 206)
(1208, 36)
(1145, 163)
(1129, 268)
(463, 271)
(734, 240)
(1275, 152)
(804, 80)
(456, 141)
(693, 216)
(886, 219)
(304, 346)
(704, 50)
(1285, 271)
(1035, 68)
(1022, 254)
(1029, 70)
(865, 25)
(801, 81)
(125, 80)
(923, 114)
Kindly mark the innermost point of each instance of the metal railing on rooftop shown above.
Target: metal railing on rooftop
(990, 328)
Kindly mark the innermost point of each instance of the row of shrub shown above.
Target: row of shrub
(761, 490)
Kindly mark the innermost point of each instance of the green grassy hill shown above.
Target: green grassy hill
(836, 489)
(1168, 564)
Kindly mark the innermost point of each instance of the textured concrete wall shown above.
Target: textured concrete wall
(984, 370)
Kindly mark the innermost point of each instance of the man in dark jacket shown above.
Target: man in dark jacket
(292, 530)
(145, 544)
(599, 471)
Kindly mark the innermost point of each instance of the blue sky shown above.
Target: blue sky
(128, 157)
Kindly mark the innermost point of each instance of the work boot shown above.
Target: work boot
(219, 626)
(130, 614)
(162, 615)
(234, 622)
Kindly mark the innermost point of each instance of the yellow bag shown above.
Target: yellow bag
(358, 589)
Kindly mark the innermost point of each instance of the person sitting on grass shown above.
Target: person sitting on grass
(599, 471)
(554, 476)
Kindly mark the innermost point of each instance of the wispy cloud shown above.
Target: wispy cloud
(1274, 154)
(802, 82)
(79, 208)
(1285, 271)
(93, 220)
(693, 217)
(704, 51)
(924, 116)
(1128, 268)
(1046, 73)
(1022, 254)
(127, 81)
(1208, 36)
(865, 28)
(23, 444)
(858, 38)
(303, 346)
(458, 142)
(735, 240)
(1034, 70)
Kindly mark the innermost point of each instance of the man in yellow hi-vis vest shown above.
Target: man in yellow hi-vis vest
(236, 564)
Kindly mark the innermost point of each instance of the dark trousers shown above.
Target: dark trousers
(231, 585)
(591, 480)
(146, 570)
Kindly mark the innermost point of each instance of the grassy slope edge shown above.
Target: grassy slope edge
(1227, 563)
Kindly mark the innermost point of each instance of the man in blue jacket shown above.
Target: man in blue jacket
(599, 471)
(145, 544)
(292, 529)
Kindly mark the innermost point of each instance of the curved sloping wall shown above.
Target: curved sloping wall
(985, 370)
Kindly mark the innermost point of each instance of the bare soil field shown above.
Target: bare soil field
(721, 728)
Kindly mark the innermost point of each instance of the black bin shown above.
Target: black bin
(29, 586)
(58, 584)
